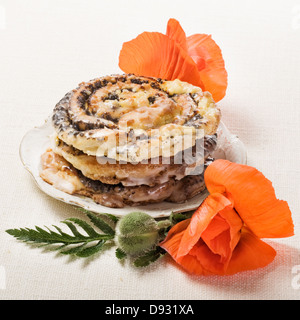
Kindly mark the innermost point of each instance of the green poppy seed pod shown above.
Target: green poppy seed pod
(136, 233)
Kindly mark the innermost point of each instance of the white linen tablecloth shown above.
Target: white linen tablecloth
(48, 47)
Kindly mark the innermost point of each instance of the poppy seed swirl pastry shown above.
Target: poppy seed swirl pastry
(131, 140)
(117, 116)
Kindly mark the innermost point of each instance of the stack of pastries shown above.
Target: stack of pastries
(126, 140)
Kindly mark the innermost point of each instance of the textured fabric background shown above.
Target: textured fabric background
(48, 47)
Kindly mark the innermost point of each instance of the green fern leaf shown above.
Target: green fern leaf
(103, 222)
(85, 245)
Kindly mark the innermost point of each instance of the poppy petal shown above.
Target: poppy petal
(200, 220)
(200, 256)
(204, 261)
(172, 241)
(254, 198)
(154, 54)
(208, 57)
(250, 253)
(223, 234)
(235, 223)
(219, 244)
(225, 222)
(192, 265)
(175, 32)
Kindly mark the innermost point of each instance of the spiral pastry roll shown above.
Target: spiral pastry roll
(131, 119)
(123, 139)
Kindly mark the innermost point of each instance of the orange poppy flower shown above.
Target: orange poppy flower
(196, 59)
(223, 235)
